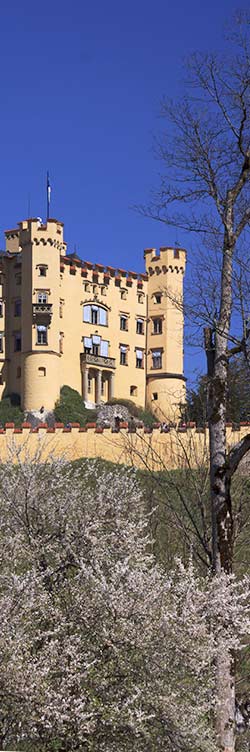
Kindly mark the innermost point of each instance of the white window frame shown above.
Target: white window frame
(41, 334)
(157, 324)
(139, 358)
(123, 355)
(42, 294)
(156, 355)
(139, 326)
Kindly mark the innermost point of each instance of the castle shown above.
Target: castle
(106, 332)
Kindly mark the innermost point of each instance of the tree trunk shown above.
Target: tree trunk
(225, 709)
(220, 481)
(222, 540)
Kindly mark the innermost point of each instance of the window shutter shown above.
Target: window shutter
(88, 342)
(104, 348)
(87, 313)
(102, 316)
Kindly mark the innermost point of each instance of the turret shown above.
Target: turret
(165, 389)
(36, 333)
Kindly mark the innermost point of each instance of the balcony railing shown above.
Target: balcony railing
(42, 312)
(97, 360)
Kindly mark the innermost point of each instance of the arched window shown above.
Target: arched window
(94, 314)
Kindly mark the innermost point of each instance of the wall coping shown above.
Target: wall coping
(124, 426)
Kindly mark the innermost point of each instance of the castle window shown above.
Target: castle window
(96, 344)
(139, 326)
(104, 348)
(87, 344)
(1, 343)
(139, 358)
(42, 334)
(103, 291)
(95, 315)
(155, 396)
(41, 371)
(42, 297)
(133, 391)
(124, 323)
(17, 307)
(95, 289)
(157, 324)
(156, 359)
(158, 297)
(124, 294)
(43, 270)
(61, 309)
(86, 287)
(18, 372)
(140, 297)
(17, 342)
(123, 355)
(1, 308)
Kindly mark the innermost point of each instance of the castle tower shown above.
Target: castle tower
(165, 388)
(34, 312)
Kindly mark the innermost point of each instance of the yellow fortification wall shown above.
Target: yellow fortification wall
(143, 448)
(104, 331)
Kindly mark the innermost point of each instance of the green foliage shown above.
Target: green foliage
(137, 412)
(70, 408)
(10, 410)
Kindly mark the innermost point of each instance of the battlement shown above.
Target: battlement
(157, 448)
(37, 231)
(167, 259)
(101, 273)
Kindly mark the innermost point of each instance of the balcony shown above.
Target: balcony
(89, 359)
(42, 313)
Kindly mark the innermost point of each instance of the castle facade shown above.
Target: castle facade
(106, 332)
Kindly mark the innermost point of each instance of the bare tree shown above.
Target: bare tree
(205, 189)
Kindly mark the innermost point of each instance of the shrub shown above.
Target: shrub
(70, 408)
(10, 410)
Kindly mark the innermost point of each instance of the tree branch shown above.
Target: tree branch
(236, 454)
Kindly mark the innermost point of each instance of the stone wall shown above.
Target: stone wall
(134, 446)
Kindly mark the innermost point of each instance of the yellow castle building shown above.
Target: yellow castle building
(106, 332)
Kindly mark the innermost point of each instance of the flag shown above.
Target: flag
(48, 195)
(48, 189)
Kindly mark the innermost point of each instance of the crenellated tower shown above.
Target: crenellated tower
(33, 315)
(165, 382)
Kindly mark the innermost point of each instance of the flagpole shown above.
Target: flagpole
(48, 195)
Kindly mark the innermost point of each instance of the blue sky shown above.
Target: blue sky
(81, 85)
